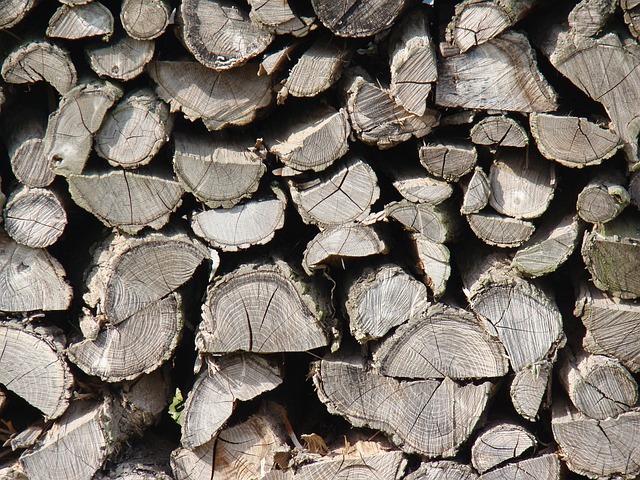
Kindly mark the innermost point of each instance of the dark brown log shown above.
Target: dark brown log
(359, 18)
(81, 21)
(145, 19)
(122, 59)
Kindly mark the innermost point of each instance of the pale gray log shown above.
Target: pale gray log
(499, 444)
(434, 263)
(81, 21)
(145, 19)
(448, 160)
(464, 349)
(543, 467)
(530, 389)
(277, 16)
(499, 131)
(443, 470)
(603, 198)
(359, 18)
(13, 11)
(12, 471)
(40, 61)
(415, 185)
(273, 62)
(221, 99)
(435, 222)
(589, 17)
(631, 16)
(500, 231)
(122, 59)
(476, 192)
(147, 397)
(501, 74)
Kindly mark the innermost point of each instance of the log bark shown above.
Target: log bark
(358, 19)
(13, 11)
(145, 19)
(437, 223)
(448, 160)
(278, 17)
(81, 21)
(499, 444)
(499, 131)
(433, 262)
(603, 198)
(417, 186)
(544, 467)
(443, 470)
(500, 231)
(122, 59)
(530, 389)
(476, 192)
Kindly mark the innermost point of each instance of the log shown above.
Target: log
(429, 417)
(589, 17)
(499, 444)
(273, 62)
(634, 189)
(69, 137)
(409, 354)
(220, 99)
(278, 17)
(499, 231)
(134, 131)
(242, 226)
(433, 262)
(415, 185)
(543, 467)
(412, 62)
(147, 459)
(448, 160)
(266, 297)
(603, 198)
(476, 192)
(125, 200)
(360, 18)
(574, 142)
(218, 170)
(13, 11)
(145, 19)
(631, 16)
(339, 195)
(530, 389)
(214, 395)
(30, 279)
(219, 34)
(81, 21)
(34, 217)
(437, 223)
(500, 131)
(381, 298)
(122, 59)
(443, 470)
(40, 62)
(33, 366)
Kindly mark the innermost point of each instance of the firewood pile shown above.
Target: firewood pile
(375, 239)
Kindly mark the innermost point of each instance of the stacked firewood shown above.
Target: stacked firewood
(376, 239)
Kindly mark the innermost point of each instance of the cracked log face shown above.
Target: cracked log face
(359, 18)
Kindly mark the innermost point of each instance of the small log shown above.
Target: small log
(631, 16)
(242, 226)
(70, 131)
(417, 186)
(380, 298)
(145, 19)
(499, 131)
(133, 132)
(267, 297)
(273, 62)
(501, 74)
(476, 192)
(215, 393)
(122, 59)
(125, 200)
(499, 444)
(443, 470)
(604, 198)
(378, 120)
(30, 279)
(434, 263)
(499, 231)
(81, 21)
(219, 34)
(478, 21)
(549, 247)
(34, 217)
(589, 17)
(278, 17)
(220, 99)
(360, 18)
(219, 170)
(543, 467)
(312, 141)
(33, 366)
(530, 388)
(611, 253)
(413, 63)
(448, 160)
(335, 244)
(341, 194)
(574, 142)
(429, 417)
(40, 61)
(437, 223)
(465, 350)
(13, 11)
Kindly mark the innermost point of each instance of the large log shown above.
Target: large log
(81, 21)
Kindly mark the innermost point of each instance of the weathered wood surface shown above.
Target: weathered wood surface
(145, 19)
(278, 17)
(450, 161)
(121, 59)
(358, 19)
(477, 192)
(500, 443)
(434, 262)
(603, 198)
(81, 21)
(499, 131)
(500, 231)
(530, 388)
(13, 11)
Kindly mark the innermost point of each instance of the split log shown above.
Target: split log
(123, 59)
(277, 16)
(611, 253)
(360, 18)
(478, 21)
(125, 200)
(448, 160)
(465, 350)
(501, 74)
(30, 279)
(219, 34)
(417, 186)
(443, 470)
(530, 388)
(40, 61)
(631, 16)
(273, 62)
(381, 298)
(523, 316)
(69, 137)
(433, 262)
(133, 132)
(378, 120)
(429, 417)
(437, 223)
(13, 11)
(145, 19)
(220, 99)
(544, 467)
(574, 142)
(33, 366)
(413, 63)
(499, 231)
(603, 199)
(215, 393)
(34, 217)
(589, 17)
(335, 244)
(499, 444)
(81, 21)
(522, 185)
(476, 192)
(267, 297)
(499, 131)
(341, 194)
(219, 170)
(242, 226)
